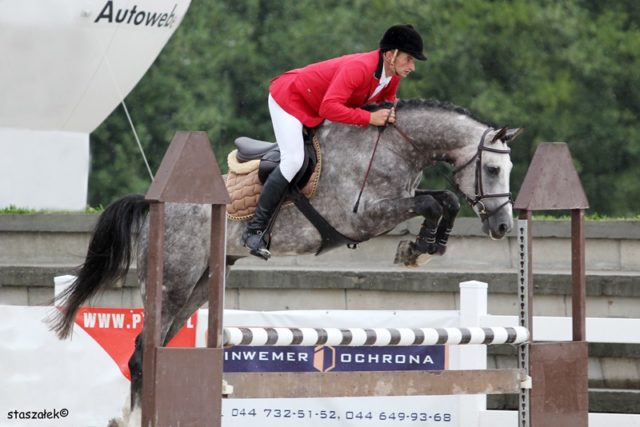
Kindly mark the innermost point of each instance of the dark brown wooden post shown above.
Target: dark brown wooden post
(183, 386)
(153, 304)
(578, 275)
(216, 278)
(559, 394)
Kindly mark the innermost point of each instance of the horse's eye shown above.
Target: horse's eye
(493, 170)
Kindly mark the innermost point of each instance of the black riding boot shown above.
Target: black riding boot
(273, 191)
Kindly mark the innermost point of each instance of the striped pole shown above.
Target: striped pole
(353, 337)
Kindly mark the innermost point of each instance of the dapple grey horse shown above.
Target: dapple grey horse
(425, 132)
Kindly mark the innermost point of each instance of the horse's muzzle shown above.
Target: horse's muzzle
(498, 226)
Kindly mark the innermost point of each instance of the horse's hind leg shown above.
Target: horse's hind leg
(135, 369)
(195, 300)
(131, 413)
(186, 251)
(171, 324)
(198, 297)
(135, 362)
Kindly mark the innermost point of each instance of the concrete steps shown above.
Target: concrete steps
(263, 288)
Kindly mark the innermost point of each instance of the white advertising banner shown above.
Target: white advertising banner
(84, 381)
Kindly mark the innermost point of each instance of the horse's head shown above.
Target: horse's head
(483, 178)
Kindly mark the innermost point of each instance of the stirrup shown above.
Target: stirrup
(261, 253)
(257, 245)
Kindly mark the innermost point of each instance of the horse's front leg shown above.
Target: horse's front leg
(425, 205)
(450, 208)
(414, 254)
(431, 209)
(439, 209)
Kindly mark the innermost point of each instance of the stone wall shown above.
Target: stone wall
(36, 248)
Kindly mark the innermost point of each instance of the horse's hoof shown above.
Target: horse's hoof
(422, 260)
(403, 253)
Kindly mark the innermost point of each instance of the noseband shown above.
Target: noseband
(480, 195)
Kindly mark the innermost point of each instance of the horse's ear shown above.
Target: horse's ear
(499, 135)
(512, 134)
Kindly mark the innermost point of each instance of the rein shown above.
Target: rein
(375, 147)
(366, 175)
(406, 137)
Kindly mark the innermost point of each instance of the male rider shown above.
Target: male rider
(335, 89)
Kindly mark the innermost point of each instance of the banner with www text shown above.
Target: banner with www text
(84, 381)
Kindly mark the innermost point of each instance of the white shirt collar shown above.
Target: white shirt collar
(384, 79)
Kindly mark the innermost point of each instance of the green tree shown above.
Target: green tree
(565, 71)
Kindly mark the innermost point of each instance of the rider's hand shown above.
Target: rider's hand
(383, 116)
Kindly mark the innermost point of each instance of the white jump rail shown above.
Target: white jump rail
(599, 329)
(356, 337)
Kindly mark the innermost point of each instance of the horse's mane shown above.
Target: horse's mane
(425, 103)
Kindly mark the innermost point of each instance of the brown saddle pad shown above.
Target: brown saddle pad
(244, 186)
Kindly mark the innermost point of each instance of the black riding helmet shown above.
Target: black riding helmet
(404, 38)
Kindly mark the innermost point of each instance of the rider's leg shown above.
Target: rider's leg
(288, 132)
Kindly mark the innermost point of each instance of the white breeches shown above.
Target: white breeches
(288, 131)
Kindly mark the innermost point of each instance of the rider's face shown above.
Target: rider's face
(401, 65)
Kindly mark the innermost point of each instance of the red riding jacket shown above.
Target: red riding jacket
(335, 89)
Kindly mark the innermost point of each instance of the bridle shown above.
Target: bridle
(480, 195)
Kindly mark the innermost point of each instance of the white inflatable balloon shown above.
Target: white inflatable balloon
(66, 65)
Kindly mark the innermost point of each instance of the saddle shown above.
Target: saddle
(250, 165)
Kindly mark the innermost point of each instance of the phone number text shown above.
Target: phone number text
(364, 416)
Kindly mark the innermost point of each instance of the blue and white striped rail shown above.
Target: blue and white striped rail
(353, 337)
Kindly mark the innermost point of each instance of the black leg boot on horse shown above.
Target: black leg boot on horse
(256, 235)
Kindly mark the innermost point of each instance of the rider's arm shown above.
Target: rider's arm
(351, 77)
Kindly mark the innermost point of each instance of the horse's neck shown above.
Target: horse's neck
(348, 160)
(441, 135)
(398, 160)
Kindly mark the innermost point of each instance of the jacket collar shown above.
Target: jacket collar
(378, 72)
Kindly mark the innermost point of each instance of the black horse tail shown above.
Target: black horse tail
(108, 258)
